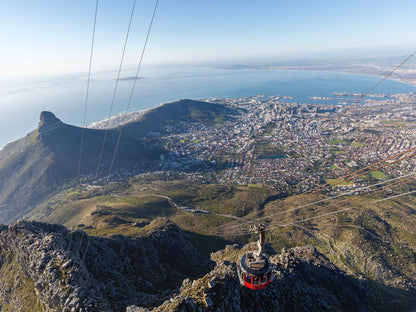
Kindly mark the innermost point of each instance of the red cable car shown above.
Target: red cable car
(254, 268)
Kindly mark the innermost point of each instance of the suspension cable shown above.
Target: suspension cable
(366, 170)
(112, 102)
(115, 88)
(370, 192)
(277, 225)
(378, 83)
(133, 87)
(86, 98)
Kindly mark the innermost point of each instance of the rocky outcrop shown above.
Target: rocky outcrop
(48, 122)
(304, 280)
(71, 271)
(45, 267)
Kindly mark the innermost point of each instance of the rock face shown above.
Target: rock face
(304, 280)
(52, 269)
(45, 267)
(48, 122)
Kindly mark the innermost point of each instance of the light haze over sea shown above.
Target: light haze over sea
(22, 100)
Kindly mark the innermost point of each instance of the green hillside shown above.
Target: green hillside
(37, 166)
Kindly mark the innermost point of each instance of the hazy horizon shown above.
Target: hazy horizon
(46, 37)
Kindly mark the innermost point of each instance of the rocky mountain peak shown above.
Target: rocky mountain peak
(48, 121)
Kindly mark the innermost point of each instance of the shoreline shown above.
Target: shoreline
(411, 82)
(118, 120)
(124, 118)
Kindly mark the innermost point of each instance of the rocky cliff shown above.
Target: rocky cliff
(304, 280)
(47, 268)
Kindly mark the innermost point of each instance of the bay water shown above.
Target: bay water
(22, 100)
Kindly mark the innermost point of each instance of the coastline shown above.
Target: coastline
(124, 118)
(117, 120)
(408, 81)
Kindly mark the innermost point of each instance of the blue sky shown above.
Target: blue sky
(48, 37)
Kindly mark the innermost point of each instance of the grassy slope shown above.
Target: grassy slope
(19, 288)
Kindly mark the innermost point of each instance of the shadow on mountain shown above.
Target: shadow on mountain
(304, 280)
(64, 270)
(35, 167)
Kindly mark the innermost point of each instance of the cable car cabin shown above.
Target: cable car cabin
(254, 271)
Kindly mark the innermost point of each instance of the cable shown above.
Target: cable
(337, 196)
(350, 176)
(86, 249)
(132, 89)
(353, 175)
(393, 185)
(388, 186)
(115, 88)
(380, 200)
(389, 74)
(378, 83)
(409, 180)
(310, 218)
(86, 97)
(277, 225)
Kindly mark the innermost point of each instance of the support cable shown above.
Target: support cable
(86, 98)
(115, 88)
(378, 83)
(133, 87)
(370, 192)
(363, 171)
(128, 105)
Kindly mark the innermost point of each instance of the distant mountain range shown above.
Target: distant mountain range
(33, 168)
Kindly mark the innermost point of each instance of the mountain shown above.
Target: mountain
(373, 244)
(33, 168)
(363, 256)
(304, 280)
(45, 267)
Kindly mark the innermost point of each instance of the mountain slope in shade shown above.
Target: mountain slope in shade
(44, 267)
(47, 268)
(33, 168)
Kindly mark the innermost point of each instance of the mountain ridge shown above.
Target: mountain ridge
(55, 269)
(33, 168)
(45, 267)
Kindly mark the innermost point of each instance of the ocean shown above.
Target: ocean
(22, 100)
